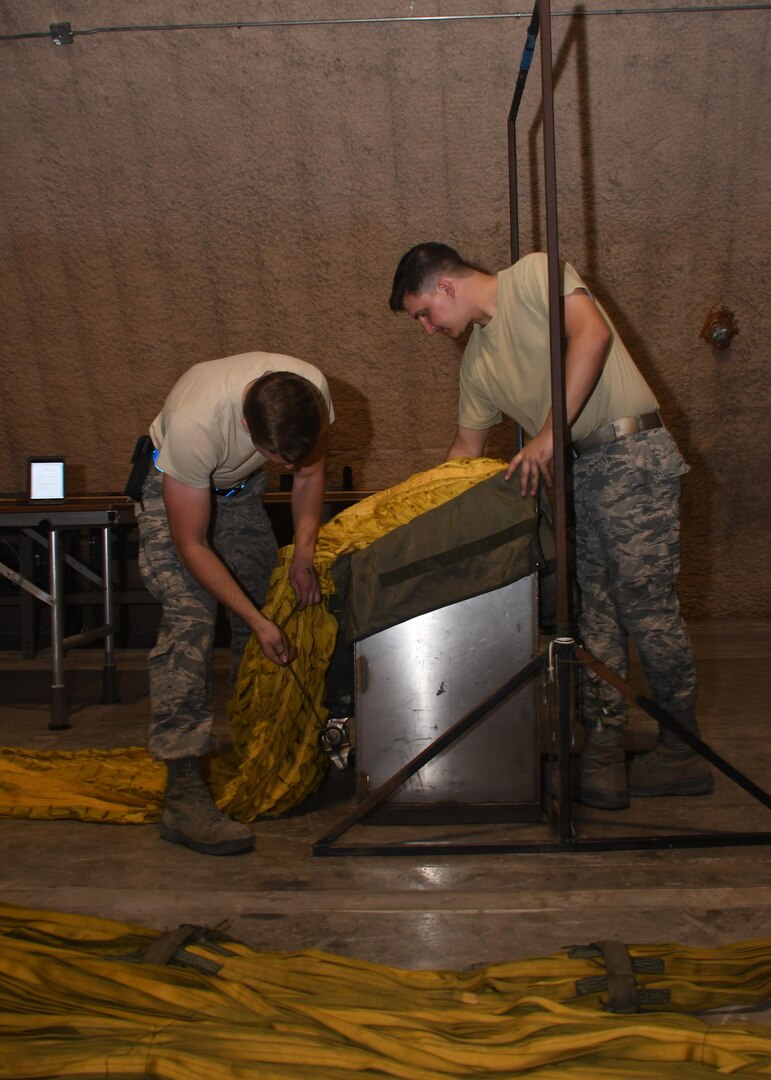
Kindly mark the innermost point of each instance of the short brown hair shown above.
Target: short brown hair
(286, 414)
(420, 267)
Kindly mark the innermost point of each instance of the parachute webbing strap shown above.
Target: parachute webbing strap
(165, 947)
(648, 965)
(169, 948)
(624, 995)
(622, 988)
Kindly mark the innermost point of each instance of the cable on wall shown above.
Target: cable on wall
(61, 33)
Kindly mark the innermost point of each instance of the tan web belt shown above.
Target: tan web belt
(617, 429)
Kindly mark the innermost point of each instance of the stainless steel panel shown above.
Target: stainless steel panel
(415, 680)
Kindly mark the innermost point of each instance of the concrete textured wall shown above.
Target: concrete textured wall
(170, 196)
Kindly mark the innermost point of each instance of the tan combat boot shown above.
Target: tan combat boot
(672, 767)
(602, 778)
(190, 815)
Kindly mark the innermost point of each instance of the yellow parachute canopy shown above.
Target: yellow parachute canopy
(277, 760)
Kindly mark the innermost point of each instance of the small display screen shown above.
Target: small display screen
(46, 478)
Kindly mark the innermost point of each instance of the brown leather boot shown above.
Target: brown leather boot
(602, 779)
(672, 767)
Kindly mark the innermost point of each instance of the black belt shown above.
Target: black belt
(617, 429)
(227, 492)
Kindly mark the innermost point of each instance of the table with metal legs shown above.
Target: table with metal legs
(95, 512)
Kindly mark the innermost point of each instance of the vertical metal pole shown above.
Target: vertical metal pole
(109, 677)
(524, 67)
(59, 719)
(563, 647)
(564, 644)
(555, 324)
(513, 195)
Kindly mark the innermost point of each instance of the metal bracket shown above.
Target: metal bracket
(61, 33)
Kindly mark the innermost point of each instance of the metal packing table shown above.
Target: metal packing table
(79, 512)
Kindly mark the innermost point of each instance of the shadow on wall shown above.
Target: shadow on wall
(575, 41)
(698, 485)
(350, 437)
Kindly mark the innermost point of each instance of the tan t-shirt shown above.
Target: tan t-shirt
(198, 433)
(506, 367)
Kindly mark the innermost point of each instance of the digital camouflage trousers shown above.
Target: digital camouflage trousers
(627, 561)
(180, 663)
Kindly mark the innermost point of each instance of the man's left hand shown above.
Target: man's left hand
(534, 463)
(305, 582)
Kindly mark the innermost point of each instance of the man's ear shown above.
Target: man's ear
(245, 426)
(446, 285)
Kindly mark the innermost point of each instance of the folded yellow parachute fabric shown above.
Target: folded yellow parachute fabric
(75, 1001)
(276, 761)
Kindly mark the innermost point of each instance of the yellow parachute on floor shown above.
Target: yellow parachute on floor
(277, 760)
(90, 998)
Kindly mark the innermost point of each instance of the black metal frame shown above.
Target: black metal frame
(566, 651)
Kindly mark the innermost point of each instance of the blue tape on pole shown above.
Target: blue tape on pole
(527, 56)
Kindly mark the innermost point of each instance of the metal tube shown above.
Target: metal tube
(383, 20)
(524, 67)
(79, 567)
(58, 718)
(109, 677)
(19, 579)
(418, 849)
(559, 424)
(84, 637)
(563, 648)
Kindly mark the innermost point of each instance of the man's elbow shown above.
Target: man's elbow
(461, 449)
(593, 342)
(603, 343)
(458, 449)
(189, 551)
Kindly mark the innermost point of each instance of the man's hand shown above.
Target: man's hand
(273, 643)
(307, 502)
(304, 581)
(534, 462)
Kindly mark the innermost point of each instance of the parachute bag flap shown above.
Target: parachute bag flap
(483, 539)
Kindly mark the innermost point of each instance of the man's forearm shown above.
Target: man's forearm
(307, 505)
(581, 375)
(468, 442)
(580, 380)
(455, 451)
(588, 338)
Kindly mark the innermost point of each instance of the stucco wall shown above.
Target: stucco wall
(172, 196)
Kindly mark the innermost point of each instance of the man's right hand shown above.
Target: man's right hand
(273, 642)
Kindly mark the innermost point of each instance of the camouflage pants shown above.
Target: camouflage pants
(181, 662)
(627, 561)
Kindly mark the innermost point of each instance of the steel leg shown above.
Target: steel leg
(564, 652)
(59, 718)
(109, 674)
